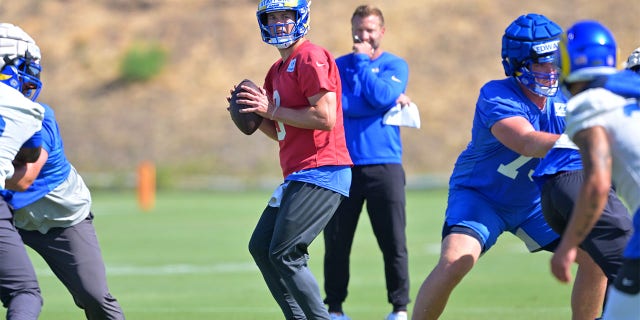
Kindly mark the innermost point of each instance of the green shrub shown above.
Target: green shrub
(142, 62)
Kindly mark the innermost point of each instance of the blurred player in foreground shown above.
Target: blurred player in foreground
(603, 119)
(20, 118)
(560, 176)
(490, 190)
(372, 82)
(52, 212)
(301, 105)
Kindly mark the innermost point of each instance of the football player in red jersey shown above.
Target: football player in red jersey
(301, 104)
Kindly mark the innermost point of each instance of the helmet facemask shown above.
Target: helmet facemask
(543, 83)
(277, 36)
(22, 74)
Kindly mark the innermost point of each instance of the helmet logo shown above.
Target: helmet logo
(545, 48)
(277, 3)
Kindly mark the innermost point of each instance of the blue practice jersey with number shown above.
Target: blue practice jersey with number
(500, 174)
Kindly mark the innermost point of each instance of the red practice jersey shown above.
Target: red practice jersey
(289, 83)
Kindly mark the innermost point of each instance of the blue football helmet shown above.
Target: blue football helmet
(531, 39)
(22, 74)
(300, 25)
(587, 50)
(19, 61)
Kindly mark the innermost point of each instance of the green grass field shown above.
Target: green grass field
(188, 259)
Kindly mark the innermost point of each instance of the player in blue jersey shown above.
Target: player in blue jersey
(52, 212)
(20, 118)
(602, 120)
(372, 82)
(490, 189)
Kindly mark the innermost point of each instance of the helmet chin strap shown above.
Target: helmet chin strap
(537, 88)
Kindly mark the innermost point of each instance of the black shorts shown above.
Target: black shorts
(608, 238)
(628, 280)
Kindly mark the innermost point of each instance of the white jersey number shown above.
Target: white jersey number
(511, 169)
(279, 125)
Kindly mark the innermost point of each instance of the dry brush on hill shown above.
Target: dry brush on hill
(178, 119)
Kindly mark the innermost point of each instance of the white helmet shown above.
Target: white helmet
(19, 61)
(15, 43)
(633, 62)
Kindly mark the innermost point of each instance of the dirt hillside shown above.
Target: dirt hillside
(178, 119)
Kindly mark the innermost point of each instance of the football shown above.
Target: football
(248, 123)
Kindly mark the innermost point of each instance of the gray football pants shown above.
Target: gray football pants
(74, 256)
(19, 290)
(279, 247)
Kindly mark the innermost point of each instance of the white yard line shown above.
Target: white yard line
(127, 270)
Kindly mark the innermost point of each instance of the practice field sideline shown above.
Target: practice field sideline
(187, 259)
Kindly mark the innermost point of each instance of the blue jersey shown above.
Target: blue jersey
(487, 166)
(564, 156)
(369, 89)
(624, 83)
(54, 171)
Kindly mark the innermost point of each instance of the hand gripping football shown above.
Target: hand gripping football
(249, 122)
